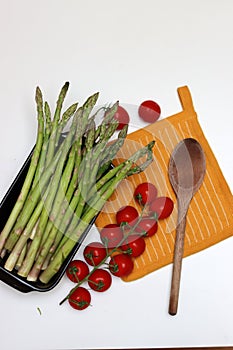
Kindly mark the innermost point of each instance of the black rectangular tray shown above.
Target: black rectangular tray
(11, 277)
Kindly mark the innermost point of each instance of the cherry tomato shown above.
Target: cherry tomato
(77, 270)
(80, 299)
(147, 226)
(145, 193)
(127, 214)
(134, 245)
(121, 265)
(100, 280)
(122, 117)
(111, 235)
(162, 206)
(149, 111)
(94, 253)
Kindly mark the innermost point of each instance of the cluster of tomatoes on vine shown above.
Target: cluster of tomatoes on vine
(121, 242)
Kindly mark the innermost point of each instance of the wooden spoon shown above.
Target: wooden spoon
(186, 172)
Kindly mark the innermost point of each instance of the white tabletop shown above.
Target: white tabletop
(129, 51)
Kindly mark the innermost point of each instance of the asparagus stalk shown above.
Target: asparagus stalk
(24, 237)
(128, 168)
(73, 193)
(29, 206)
(37, 186)
(86, 173)
(46, 212)
(90, 164)
(61, 194)
(21, 257)
(29, 178)
(46, 237)
(65, 196)
(61, 221)
(64, 121)
(111, 152)
(65, 118)
(82, 225)
(106, 181)
(35, 194)
(69, 210)
(47, 133)
(80, 118)
(53, 136)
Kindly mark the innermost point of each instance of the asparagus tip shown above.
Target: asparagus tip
(151, 144)
(66, 86)
(38, 95)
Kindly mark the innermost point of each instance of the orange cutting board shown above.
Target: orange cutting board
(210, 217)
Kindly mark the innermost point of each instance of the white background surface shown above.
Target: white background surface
(129, 51)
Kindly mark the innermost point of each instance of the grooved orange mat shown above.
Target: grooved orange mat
(210, 217)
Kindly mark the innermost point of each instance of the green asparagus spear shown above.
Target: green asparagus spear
(29, 206)
(29, 178)
(24, 237)
(73, 193)
(45, 236)
(50, 211)
(52, 141)
(64, 121)
(41, 163)
(63, 196)
(64, 251)
(54, 184)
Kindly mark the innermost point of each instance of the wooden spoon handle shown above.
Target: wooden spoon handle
(177, 264)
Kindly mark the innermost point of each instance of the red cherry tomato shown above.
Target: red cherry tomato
(100, 280)
(121, 265)
(145, 193)
(111, 235)
(127, 214)
(147, 226)
(162, 206)
(134, 245)
(149, 111)
(77, 270)
(80, 299)
(94, 253)
(122, 117)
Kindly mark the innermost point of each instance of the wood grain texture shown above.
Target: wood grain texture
(186, 172)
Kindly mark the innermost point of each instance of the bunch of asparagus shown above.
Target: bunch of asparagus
(68, 182)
